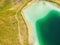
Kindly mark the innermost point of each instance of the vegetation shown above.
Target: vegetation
(13, 29)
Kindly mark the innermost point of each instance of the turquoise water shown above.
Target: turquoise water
(38, 15)
(48, 29)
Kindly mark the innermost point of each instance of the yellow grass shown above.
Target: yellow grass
(13, 28)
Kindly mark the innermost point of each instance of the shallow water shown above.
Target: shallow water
(36, 15)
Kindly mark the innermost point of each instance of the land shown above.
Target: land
(13, 28)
